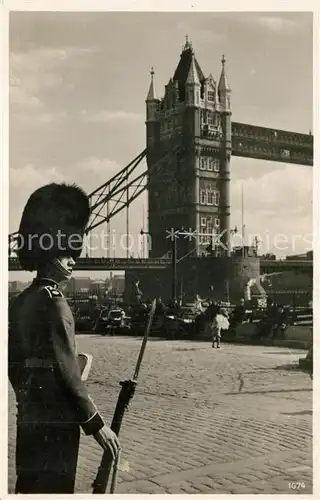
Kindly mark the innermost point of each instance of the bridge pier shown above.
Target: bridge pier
(227, 275)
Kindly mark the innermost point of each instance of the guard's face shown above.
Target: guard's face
(67, 264)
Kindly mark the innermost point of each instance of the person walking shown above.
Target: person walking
(44, 369)
(213, 324)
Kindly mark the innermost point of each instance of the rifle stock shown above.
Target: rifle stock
(126, 393)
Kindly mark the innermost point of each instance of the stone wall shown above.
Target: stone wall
(226, 275)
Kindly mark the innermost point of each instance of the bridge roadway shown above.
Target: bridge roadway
(122, 264)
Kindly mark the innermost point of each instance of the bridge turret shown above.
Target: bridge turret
(152, 101)
(224, 90)
(192, 85)
(152, 104)
(224, 93)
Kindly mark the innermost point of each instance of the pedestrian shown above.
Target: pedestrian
(44, 370)
(238, 314)
(212, 322)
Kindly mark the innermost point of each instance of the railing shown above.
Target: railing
(107, 263)
(271, 136)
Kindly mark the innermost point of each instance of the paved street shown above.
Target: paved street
(203, 420)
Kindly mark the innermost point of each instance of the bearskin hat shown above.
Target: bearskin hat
(52, 224)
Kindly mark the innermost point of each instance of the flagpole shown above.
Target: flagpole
(242, 220)
(142, 236)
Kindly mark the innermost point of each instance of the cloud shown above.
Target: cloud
(22, 182)
(279, 189)
(95, 171)
(20, 98)
(88, 173)
(30, 178)
(278, 24)
(277, 203)
(41, 118)
(203, 34)
(104, 116)
(36, 71)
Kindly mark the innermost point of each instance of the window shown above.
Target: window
(210, 118)
(216, 198)
(210, 164)
(216, 165)
(217, 222)
(204, 116)
(203, 162)
(203, 221)
(210, 198)
(209, 226)
(210, 95)
(203, 197)
(203, 240)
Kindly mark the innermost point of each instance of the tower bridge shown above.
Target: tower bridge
(190, 140)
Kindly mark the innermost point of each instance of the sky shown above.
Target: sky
(78, 83)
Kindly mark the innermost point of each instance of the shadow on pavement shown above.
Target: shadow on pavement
(288, 367)
(294, 367)
(290, 353)
(272, 391)
(297, 413)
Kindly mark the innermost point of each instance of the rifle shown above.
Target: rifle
(126, 393)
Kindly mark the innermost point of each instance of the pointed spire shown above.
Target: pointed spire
(187, 45)
(193, 77)
(151, 93)
(216, 96)
(223, 82)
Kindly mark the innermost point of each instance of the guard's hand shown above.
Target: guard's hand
(108, 440)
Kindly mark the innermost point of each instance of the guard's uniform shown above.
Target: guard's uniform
(52, 400)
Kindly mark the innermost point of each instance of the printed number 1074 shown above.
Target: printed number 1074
(296, 485)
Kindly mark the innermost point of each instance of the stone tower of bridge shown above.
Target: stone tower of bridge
(190, 128)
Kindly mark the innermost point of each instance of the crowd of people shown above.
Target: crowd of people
(213, 316)
(209, 315)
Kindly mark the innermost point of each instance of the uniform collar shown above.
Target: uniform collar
(46, 281)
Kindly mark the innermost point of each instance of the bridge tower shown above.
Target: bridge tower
(190, 189)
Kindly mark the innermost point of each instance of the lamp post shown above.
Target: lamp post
(174, 269)
(232, 232)
(174, 235)
(142, 233)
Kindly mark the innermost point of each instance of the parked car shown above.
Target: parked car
(112, 321)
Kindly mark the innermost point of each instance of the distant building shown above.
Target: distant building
(246, 251)
(118, 283)
(17, 286)
(268, 256)
(301, 256)
(78, 285)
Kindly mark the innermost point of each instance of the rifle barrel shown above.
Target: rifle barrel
(127, 391)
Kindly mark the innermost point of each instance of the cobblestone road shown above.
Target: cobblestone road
(203, 420)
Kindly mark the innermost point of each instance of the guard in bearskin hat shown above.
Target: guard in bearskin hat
(52, 400)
